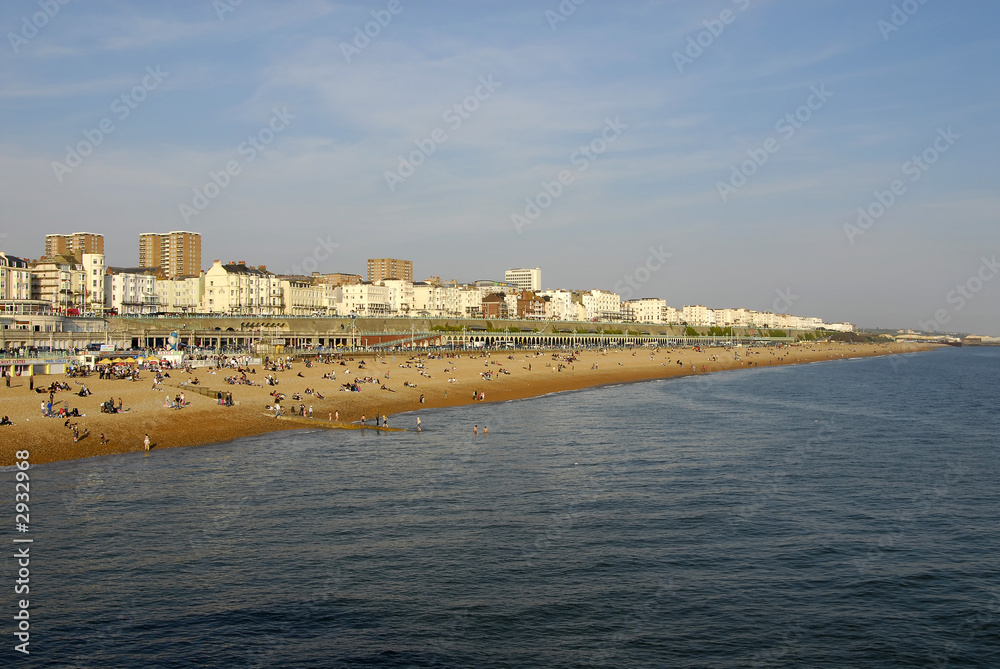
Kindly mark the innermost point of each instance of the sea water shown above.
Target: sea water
(840, 514)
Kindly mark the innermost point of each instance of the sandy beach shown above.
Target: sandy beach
(447, 381)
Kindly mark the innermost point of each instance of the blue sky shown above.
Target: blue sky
(684, 116)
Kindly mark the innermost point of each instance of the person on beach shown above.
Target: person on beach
(336, 415)
(145, 442)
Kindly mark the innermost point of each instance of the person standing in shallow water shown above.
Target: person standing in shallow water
(145, 442)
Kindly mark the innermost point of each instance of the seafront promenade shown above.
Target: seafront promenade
(263, 334)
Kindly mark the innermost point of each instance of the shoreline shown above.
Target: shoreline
(442, 382)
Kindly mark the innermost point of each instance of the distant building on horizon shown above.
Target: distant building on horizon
(337, 278)
(525, 279)
(177, 253)
(380, 269)
(76, 242)
(492, 287)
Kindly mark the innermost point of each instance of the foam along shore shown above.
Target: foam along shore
(402, 383)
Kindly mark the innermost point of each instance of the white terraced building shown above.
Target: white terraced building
(182, 294)
(365, 300)
(602, 305)
(645, 310)
(238, 289)
(131, 291)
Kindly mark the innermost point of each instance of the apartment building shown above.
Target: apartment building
(337, 278)
(177, 253)
(389, 268)
(525, 279)
(76, 242)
